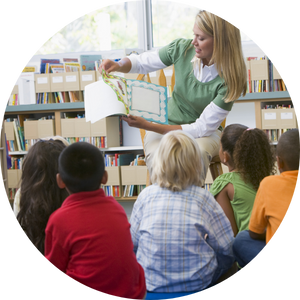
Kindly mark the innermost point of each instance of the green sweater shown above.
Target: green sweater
(243, 199)
(190, 96)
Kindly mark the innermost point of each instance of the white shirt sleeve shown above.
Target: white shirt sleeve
(208, 122)
(146, 62)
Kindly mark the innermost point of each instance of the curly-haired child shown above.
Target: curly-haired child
(249, 157)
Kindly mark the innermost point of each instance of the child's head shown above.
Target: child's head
(251, 152)
(40, 195)
(177, 162)
(81, 168)
(288, 151)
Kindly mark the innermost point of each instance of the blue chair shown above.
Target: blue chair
(178, 296)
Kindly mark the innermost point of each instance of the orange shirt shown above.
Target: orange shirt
(271, 202)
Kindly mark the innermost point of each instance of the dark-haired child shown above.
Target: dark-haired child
(89, 238)
(39, 196)
(249, 157)
(272, 200)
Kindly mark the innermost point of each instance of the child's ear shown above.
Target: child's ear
(226, 157)
(104, 177)
(280, 164)
(59, 181)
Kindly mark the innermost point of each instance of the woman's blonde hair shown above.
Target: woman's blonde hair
(177, 162)
(227, 53)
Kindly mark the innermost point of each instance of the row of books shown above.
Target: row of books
(16, 163)
(98, 141)
(11, 193)
(129, 190)
(274, 134)
(17, 143)
(85, 63)
(123, 159)
(262, 76)
(278, 106)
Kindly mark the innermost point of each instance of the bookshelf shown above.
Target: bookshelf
(3, 158)
(62, 82)
(58, 110)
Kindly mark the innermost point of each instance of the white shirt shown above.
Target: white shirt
(211, 117)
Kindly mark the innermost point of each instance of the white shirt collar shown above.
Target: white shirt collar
(205, 73)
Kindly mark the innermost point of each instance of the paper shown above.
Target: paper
(26, 88)
(270, 116)
(286, 116)
(114, 95)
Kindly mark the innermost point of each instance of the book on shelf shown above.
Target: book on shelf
(115, 95)
(274, 134)
(262, 76)
(16, 163)
(70, 59)
(18, 144)
(87, 62)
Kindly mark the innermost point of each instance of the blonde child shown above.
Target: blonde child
(181, 235)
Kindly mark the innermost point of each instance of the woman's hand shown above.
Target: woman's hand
(134, 121)
(123, 65)
(108, 66)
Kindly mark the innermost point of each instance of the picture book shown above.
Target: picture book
(87, 62)
(115, 95)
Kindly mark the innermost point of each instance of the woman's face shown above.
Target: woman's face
(203, 44)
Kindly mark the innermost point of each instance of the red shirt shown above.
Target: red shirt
(89, 239)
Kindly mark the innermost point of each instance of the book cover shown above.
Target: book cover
(44, 61)
(87, 62)
(115, 95)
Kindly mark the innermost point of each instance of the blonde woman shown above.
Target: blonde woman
(181, 236)
(210, 75)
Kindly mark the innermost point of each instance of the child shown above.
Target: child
(88, 238)
(181, 236)
(39, 195)
(249, 157)
(272, 200)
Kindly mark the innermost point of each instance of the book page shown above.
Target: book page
(148, 100)
(145, 100)
(101, 101)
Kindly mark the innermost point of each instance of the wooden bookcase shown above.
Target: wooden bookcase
(57, 109)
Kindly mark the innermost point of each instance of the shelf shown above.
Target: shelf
(113, 149)
(265, 96)
(80, 105)
(44, 107)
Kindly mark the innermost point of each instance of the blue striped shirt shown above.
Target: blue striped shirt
(179, 237)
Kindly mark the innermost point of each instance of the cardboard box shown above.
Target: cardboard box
(14, 178)
(82, 128)
(279, 118)
(9, 131)
(68, 127)
(42, 83)
(133, 175)
(57, 82)
(259, 69)
(71, 81)
(114, 176)
(37, 129)
(86, 78)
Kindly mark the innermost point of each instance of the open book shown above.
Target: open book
(115, 95)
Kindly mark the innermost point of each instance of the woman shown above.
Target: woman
(210, 75)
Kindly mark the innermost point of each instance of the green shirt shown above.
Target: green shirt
(190, 96)
(243, 199)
